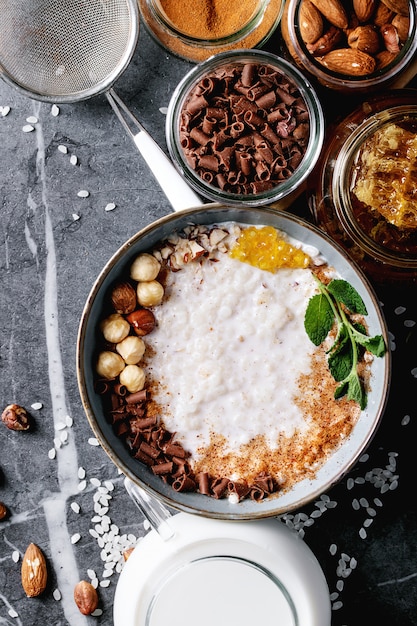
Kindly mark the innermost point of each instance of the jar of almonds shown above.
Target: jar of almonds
(361, 45)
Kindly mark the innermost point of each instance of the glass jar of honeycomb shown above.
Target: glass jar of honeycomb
(363, 191)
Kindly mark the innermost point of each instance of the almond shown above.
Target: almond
(85, 597)
(310, 21)
(383, 15)
(34, 571)
(365, 38)
(364, 9)
(349, 61)
(397, 6)
(402, 24)
(334, 11)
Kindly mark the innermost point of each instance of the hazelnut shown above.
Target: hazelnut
(142, 320)
(133, 378)
(123, 298)
(145, 267)
(131, 349)
(109, 364)
(150, 293)
(3, 511)
(16, 417)
(115, 328)
(86, 597)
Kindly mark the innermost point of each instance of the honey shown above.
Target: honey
(265, 249)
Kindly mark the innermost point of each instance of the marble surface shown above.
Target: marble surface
(53, 244)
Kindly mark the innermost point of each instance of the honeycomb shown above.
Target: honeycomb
(386, 176)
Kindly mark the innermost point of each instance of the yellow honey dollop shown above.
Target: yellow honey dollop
(265, 249)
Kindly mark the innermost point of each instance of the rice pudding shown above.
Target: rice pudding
(234, 398)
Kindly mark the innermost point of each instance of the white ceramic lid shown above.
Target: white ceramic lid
(218, 573)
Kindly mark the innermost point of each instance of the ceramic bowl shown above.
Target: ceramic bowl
(304, 491)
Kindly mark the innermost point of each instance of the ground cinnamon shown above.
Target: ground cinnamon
(209, 20)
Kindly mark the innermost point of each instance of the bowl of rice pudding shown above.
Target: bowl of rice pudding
(205, 372)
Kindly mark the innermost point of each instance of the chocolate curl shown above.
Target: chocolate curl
(184, 483)
(285, 96)
(121, 428)
(101, 387)
(264, 482)
(258, 186)
(203, 482)
(120, 390)
(255, 92)
(262, 171)
(209, 162)
(220, 138)
(209, 124)
(147, 422)
(199, 137)
(248, 74)
(141, 456)
(221, 182)
(139, 396)
(253, 120)
(208, 177)
(236, 129)
(207, 85)
(163, 468)
(175, 449)
(264, 153)
(267, 100)
(219, 487)
(196, 104)
(215, 113)
(149, 450)
(226, 155)
(244, 162)
(277, 115)
(267, 132)
(240, 489)
(285, 173)
(279, 164)
(302, 132)
(257, 494)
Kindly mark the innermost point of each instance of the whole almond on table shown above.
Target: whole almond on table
(34, 571)
(86, 597)
(334, 11)
(310, 21)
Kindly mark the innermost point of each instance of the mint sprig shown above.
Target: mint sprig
(334, 305)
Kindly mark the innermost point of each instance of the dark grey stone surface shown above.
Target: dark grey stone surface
(53, 244)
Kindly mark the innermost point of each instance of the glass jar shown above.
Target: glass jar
(363, 191)
(375, 52)
(195, 31)
(263, 152)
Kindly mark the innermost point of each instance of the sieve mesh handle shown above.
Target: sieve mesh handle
(179, 194)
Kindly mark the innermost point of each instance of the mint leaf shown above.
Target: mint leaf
(318, 319)
(344, 292)
(330, 310)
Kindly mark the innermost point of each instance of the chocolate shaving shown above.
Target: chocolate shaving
(239, 104)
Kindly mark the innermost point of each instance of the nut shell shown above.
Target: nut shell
(16, 417)
(123, 297)
(34, 571)
(86, 597)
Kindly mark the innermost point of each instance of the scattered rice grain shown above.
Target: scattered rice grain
(54, 110)
(97, 613)
(5, 111)
(28, 128)
(75, 538)
(57, 595)
(69, 421)
(333, 549)
(73, 159)
(93, 441)
(337, 605)
(75, 507)
(82, 485)
(52, 453)
(81, 473)
(32, 119)
(13, 613)
(36, 406)
(110, 206)
(15, 556)
(362, 533)
(83, 193)
(63, 149)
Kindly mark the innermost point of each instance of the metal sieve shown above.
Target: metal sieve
(61, 52)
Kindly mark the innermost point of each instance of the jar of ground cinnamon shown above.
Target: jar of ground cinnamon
(196, 30)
